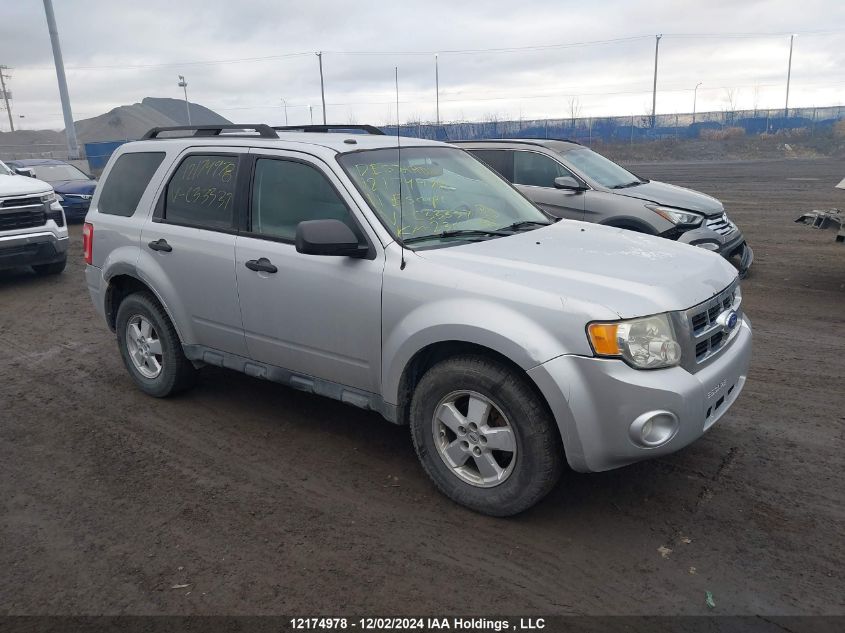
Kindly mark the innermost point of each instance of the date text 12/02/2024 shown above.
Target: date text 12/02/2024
(418, 624)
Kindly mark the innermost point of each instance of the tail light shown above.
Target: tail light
(88, 242)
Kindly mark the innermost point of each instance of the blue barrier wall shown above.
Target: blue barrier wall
(98, 154)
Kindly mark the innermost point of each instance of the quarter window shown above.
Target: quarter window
(285, 193)
(127, 181)
(538, 170)
(202, 192)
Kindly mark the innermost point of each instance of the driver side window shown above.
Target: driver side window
(537, 170)
(286, 193)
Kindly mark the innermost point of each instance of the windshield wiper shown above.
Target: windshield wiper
(633, 183)
(523, 224)
(456, 233)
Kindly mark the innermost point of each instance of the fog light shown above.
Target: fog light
(653, 429)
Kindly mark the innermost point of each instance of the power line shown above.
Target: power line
(462, 51)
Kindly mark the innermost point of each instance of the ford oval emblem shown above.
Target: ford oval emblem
(728, 320)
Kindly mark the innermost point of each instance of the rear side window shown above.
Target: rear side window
(498, 160)
(127, 181)
(202, 192)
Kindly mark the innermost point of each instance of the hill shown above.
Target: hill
(121, 123)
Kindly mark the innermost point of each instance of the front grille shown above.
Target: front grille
(10, 220)
(708, 336)
(722, 225)
(26, 201)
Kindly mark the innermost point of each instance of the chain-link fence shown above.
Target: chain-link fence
(620, 129)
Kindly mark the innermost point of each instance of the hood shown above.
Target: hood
(673, 196)
(22, 186)
(630, 274)
(75, 186)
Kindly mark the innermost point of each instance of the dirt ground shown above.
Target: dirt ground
(244, 497)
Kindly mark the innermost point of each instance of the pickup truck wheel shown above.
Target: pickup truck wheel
(150, 347)
(50, 269)
(484, 437)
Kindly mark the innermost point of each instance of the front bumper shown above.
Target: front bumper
(75, 209)
(595, 401)
(731, 246)
(28, 249)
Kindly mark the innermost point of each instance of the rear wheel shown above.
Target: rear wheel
(50, 269)
(150, 347)
(484, 436)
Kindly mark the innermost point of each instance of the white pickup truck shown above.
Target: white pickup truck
(33, 231)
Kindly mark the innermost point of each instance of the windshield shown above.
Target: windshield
(55, 173)
(602, 170)
(447, 195)
(4, 171)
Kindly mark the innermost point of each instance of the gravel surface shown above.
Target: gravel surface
(244, 497)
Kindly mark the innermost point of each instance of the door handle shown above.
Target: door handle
(160, 245)
(263, 265)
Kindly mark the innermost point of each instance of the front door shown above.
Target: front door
(534, 175)
(310, 314)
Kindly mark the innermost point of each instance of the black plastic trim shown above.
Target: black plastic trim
(263, 130)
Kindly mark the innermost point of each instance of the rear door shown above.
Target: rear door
(188, 247)
(313, 315)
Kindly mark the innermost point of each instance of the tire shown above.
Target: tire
(528, 473)
(50, 269)
(176, 373)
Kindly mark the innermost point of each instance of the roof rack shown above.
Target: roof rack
(263, 130)
(369, 129)
(526, 140)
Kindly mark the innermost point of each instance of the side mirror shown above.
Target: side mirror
(328, 237)
(568, 182)
(25, 171)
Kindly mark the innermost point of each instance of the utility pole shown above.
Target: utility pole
(311, 112)
(788, 77)
(70, 128)
(322, 86)
(437, 86)
(654, 90)
(285, 104)
(6, 95)
(184, 86)
(694, 97)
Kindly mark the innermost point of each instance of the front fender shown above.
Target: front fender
(468, 320)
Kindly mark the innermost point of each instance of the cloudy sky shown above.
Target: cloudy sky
(497, 58)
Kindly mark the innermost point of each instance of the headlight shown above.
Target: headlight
(676, 216)
(646, 343)
(50, 198)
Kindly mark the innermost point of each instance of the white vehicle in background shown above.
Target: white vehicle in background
(33, 231)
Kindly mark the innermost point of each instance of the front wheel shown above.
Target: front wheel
(50, 269)
(484, 436)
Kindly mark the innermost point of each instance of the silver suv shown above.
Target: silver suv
(569, 180)
(413, 281)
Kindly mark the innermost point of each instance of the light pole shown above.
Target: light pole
(70, 128)
(437, 86)
(285, 104)
(694, 97)
(311, 112)
(322, 86)
(654, 90)
(788, 76)
(184, 86)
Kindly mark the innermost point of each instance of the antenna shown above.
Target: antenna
(399, 161)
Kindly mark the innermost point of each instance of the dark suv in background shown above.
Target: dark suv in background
(571, 181)
(74, 187)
